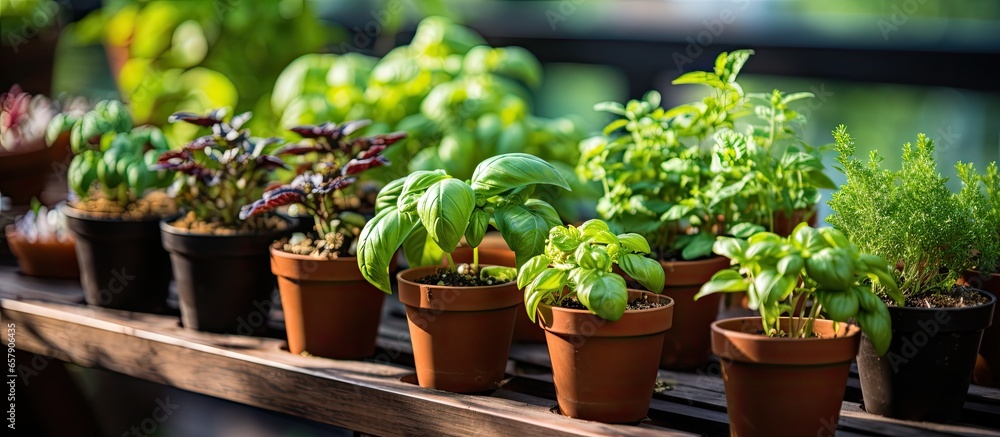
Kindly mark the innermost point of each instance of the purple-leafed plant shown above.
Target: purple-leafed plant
(327, 191)
(219, 173)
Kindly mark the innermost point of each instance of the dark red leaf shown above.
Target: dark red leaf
(359, 165)
(213, 117)
(201, 143)
(272, 199)
(269, 162)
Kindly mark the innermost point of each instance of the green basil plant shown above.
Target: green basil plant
(429, 212)
(578, 263)
(114, 156)
(726, 165)
(821, 266)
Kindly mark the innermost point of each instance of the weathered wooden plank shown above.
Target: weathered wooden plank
(363, 396)
(17, 286)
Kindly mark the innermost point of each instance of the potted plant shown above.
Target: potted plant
(221, 264)
(461, 317)
(42, 244)
(24, 157)
(985, 189)
(595, 326)
(799, 361)
(330, 309)
(115, 208)
(911, 218)
(685, 175)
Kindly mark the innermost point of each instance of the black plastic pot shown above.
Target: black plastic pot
(122, 263)
(926, 373)
(224, 282)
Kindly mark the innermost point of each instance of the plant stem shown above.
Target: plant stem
(451, 262)
(475, 258)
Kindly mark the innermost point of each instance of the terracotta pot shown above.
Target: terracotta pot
(987, 370)
(926, 373)
(781, 386)
(785, 224)
(524, 330)
(224, 282)
(330, 309)
(688, 345)
(122, 263)
(23, 174)
(45, 259)
(461, 335)
(606, 371)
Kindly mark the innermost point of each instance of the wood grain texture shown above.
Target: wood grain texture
(377, 396)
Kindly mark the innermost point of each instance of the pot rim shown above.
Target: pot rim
(79, 214)
(399, 277)
(627, 311)
(991, 296)
(294, 256)
(166, 227)
(851, 330)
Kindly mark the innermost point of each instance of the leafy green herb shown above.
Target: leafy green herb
(909, 216)
(684, 175)
(581, 259)
(780, 275)
(428, 213)
(982, 194)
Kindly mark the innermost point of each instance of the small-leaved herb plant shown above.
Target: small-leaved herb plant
(220, 172)
(112, 158)
(578, 263)
(982, 193)
(325, 191)
(821, 266)
(428, 213)
(909, 216)
(727, 164)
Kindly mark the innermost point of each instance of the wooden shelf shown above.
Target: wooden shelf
(377, 396)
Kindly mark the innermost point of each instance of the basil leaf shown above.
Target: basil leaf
(725, 281)
(545, 210)
(445, 210)
(420, 249)
(634, 242)
(591, 227)
(524, 231)
(732, 248)
(878, 328)
(647, 272)
(388, 196)
(378, 242)
(414, 187)
(531, 269)
(604, 294)
(839, 305)
(478, 223)
(699, 246)
(511, 171)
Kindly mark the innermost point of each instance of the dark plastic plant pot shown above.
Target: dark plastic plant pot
(783, 386)
(224, 282)
(987, 371)
(926, 373)
(122, 263)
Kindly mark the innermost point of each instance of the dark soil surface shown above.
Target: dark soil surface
(452, 279)
(154, 205)
(639, 303)
(254, 224)
(959, 296)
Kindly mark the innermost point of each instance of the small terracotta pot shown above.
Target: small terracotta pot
(606, 371)
(461, 335)
(23, 174)
(524, 330)
(781, 386)
(44, 259)
(330, 309)
(987, 370)
(785, 224)
(925, 375)
(688, 345)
